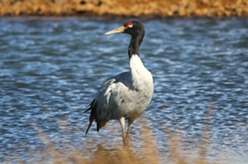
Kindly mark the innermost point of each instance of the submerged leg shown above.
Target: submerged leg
(130, 122)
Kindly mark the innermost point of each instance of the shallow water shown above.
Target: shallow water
(51, 68)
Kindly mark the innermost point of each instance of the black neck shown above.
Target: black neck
(134, 45)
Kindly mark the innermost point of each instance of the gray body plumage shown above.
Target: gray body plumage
(127, 94)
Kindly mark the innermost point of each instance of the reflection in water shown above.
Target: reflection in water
(50, 69)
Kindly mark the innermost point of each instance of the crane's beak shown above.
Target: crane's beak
(117, 30)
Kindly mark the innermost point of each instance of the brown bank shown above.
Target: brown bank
(137, 8)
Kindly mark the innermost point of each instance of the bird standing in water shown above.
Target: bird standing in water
(127, 95)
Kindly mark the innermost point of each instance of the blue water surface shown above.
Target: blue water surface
(51, 68)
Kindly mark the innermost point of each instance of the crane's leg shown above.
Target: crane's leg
(126, 137)
(122, 122)
(130, 122)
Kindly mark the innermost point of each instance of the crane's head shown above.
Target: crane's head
(132, 27)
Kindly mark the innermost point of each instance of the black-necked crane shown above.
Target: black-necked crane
(127, 95)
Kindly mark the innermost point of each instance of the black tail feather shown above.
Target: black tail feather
(94, 117)
(92, 108)
(88, 127)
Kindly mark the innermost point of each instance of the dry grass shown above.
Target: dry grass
(138, 8)
(147, 153)
(101, 155)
